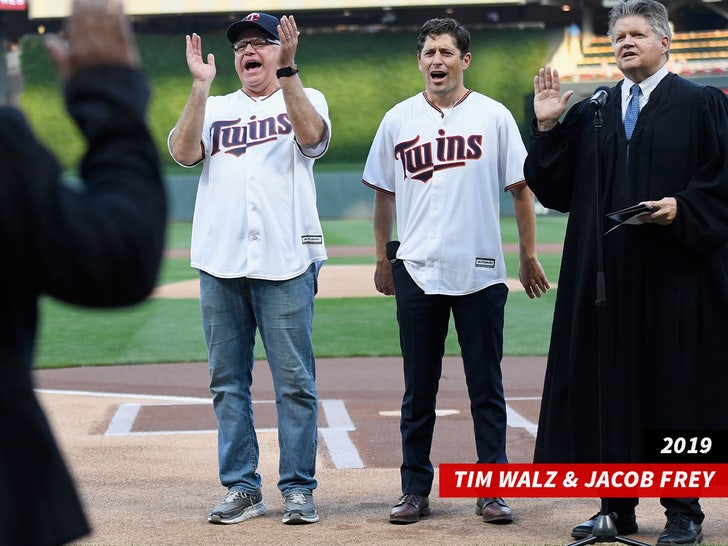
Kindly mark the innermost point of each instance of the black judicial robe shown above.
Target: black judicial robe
(98, 247)
(665, 320)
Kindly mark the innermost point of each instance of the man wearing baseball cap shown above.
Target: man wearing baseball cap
(258, 245)
(262, 21)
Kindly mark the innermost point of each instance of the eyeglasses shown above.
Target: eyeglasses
(256, 43)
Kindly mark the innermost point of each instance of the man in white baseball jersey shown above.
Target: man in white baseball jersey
(441, 159)
(258, 244)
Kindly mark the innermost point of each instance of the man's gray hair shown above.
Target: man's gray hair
(654, 12)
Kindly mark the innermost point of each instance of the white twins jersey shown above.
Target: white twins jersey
(447, 174)
(255, 213)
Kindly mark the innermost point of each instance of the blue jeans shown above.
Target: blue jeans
(423, 326)
(232, 309)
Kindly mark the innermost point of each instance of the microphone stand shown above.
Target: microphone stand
(604, 529)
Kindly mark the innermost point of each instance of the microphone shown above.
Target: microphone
(599, 98)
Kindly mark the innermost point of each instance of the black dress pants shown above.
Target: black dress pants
(423, 326)
(689, 506)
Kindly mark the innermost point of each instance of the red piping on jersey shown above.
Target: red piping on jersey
(372, 186)
(461, 99)
(514, 185)
(257, 99)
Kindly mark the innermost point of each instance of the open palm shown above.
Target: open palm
(200, 70)
(548, 102)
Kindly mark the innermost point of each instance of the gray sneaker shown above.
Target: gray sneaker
(300, 509)
(238, 506)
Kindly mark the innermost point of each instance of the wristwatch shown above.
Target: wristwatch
(287, 71)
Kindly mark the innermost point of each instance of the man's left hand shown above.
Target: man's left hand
(288, 34)
(533, 278)
(665, 213)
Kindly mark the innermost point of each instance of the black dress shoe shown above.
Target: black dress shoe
(493, 510)
(626, 525)
(680, 529)
(409, 509)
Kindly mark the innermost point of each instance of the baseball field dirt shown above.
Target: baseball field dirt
(141, 443)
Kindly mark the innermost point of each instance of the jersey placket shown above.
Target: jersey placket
(254, 224)
(433, 274)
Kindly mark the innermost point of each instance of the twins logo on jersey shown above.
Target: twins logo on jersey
(231, 137)
(450, 151)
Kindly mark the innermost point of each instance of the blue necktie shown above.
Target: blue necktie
(633, 112)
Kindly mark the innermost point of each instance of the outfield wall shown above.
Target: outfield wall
(340, 196)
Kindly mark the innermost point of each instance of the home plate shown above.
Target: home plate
(438, 412)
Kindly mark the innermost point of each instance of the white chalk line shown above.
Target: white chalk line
(341, 449)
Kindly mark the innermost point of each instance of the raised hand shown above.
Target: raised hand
(98, 33)
(288, 33)
(548, 102)
(200, 70)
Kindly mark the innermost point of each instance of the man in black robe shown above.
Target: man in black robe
(664, 316)
(101, 246)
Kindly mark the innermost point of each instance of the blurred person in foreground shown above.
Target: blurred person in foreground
(100, 246)
(665, 319)
(258, 245)
(438, 163)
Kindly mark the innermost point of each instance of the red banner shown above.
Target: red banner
(19, 5)
(584, 480)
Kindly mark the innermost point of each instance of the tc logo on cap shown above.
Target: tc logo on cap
(252, 17)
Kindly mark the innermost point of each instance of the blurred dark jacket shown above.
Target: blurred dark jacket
(99, 245)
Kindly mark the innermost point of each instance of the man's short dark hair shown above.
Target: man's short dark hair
(437, 27)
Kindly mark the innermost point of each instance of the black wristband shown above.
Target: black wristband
(287, 71)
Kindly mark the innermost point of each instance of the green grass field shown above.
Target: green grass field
(170, 330)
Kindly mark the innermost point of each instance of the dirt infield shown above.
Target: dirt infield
(141, 443)
(153, 482)
(335, 281)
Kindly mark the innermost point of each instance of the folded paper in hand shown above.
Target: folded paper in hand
(630, 215)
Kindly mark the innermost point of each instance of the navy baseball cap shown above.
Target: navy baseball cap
(263, 21)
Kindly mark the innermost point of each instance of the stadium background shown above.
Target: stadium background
(152, 485)
(362, 58)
